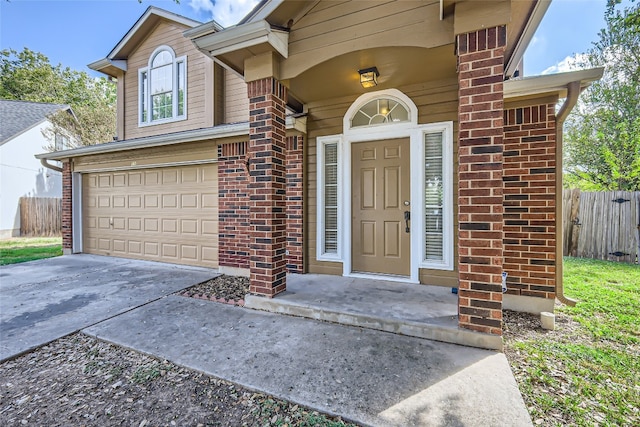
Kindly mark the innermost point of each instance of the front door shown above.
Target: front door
(380, 207)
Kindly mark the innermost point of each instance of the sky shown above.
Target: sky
(78, 32)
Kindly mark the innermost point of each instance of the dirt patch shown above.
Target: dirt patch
(79, 380)
(224, 289)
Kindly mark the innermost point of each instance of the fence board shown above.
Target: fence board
(40, 216)
(595, 226)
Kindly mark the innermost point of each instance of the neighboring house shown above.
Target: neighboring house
(380, 139)
(21, 174)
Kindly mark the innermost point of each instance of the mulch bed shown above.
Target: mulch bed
(224, 289)
(81, 381)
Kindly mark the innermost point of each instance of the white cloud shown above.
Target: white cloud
(577, 61)
(225, 12)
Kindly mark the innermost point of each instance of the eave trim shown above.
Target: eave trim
(549, 83)
(217, 132)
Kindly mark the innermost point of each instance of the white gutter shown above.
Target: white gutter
(217, 132)
(530, 28)
(100, 64)
(556, 83)
(224, 131)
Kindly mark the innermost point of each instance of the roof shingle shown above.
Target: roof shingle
(17, 117)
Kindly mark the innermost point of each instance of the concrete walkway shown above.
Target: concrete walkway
(368, 376)
(415, 310)
(41, 301)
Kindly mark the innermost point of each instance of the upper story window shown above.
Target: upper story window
(163, 88)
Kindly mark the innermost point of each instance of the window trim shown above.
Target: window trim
(321, 143)
(446, 128)
(146, 89)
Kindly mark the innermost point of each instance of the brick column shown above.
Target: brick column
(529, 200)
(233, 194)
(295, 199)
(67, 209)
(267, 186)
(480, 147)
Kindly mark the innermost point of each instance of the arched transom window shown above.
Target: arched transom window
(380, 111)
(163, 87)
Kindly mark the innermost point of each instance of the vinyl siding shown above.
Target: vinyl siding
(169, 34)
(236, 107)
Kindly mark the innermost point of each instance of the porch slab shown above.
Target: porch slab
(421, 311)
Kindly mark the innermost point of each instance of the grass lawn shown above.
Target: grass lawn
(22, 249)
(587, 372)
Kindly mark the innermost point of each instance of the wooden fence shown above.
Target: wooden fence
(40, 216)
(603, 225)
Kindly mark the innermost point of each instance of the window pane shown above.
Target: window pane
(181, 83)
(434, 200)
(161, 79)
(162, 106)
(379, 111)
(161, 58)
(330, 198)
(144, 108)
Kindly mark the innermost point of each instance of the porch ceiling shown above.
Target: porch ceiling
(399, 66)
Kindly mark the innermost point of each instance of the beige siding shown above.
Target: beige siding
(436, 101)
(185, 152)
(236, 107)
(333, 28)
(169, 34)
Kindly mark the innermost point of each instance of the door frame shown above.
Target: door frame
(415, 132)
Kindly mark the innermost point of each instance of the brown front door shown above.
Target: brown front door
(380, 189)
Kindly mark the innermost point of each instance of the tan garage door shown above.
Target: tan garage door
(164, 214)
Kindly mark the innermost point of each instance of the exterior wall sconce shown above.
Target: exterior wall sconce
(369, 77)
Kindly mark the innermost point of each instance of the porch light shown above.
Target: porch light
(369, 77)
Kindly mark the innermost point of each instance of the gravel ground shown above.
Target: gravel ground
(225, 289)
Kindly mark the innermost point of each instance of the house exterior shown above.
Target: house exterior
(21, 174)
(380, 139)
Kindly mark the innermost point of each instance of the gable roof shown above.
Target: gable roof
(115, 61)
(17, 117)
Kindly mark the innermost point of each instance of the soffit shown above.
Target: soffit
(398, 67)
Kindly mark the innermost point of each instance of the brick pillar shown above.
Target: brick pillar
(480, 147)
(67, 209)
(295, 203)
(267, 186)
(233, 194)
(529, 200)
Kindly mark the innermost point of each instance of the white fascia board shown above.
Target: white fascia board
(140, 22)
(223, 131)
(242, 37)
(548, 83)
(203, 30)
(540, 9)
(101, 64)
(266, 10)
(217, 132)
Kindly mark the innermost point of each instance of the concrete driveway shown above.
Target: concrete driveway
(44, 300)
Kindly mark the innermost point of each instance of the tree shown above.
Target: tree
(602, 143)
(28, 76)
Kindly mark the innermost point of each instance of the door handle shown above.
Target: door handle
(407, 218)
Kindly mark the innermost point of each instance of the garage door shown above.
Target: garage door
(164, 214)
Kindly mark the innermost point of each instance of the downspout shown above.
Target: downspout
(573, 91)
(50, 166)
